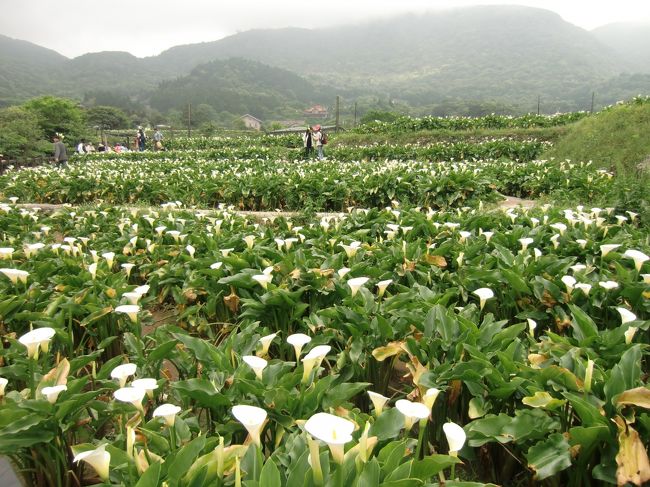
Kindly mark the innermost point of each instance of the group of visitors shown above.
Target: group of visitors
(84, 147)
(141, 140)
(314, 137)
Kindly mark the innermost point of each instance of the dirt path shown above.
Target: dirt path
(512, 202)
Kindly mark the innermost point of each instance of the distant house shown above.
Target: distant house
(317, 111)
(252, 122)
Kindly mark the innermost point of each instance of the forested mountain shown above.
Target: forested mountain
(237, 86)
(506, 55)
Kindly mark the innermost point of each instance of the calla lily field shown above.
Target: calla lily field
(416, 336)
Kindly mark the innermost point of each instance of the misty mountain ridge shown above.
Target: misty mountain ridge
(508, 53)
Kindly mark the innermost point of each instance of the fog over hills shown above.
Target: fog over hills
(507, 53)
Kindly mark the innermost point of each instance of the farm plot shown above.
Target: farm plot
(262, 185)
(419, 345)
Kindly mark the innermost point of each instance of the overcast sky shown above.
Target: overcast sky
(147, 27)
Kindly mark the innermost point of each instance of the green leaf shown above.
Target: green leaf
(150, 477)
(370, 475)
(202, 391)
(429, 466)
(270, 475)
(251, 464)
(583, 326)
(342, 392)
(183, 459)
(549, 457)
(388, 425)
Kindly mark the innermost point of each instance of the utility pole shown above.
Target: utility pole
(189, 120)
(593, 97)
(355, 114)
(338, 101)
(539, 101)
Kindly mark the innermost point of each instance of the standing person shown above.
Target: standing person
(157, 139)
(81, 147)
(60, 152)
(142, 139)
(318, 139)
(307, 142)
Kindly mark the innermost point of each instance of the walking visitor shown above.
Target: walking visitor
(60, 152)
(307, 142)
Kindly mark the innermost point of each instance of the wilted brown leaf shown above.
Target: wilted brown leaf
(638, 397)
(632, 458)
(437, 260)
(232, 301)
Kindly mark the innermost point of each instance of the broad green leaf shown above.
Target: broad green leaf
(270, 475)
(150, 477)
(549, 457)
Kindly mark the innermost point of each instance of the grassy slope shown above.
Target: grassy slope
(617, 139)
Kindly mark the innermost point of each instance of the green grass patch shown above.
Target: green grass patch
(615, 139)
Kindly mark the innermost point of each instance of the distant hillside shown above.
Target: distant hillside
(630, 41)
(502, 55)
(27, 70)
(478, 52)
(236, 86)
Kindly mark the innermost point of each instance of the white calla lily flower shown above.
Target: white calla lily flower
(36, 340)
(129, 309)
(15, 275)
(132, 395)
(412, 412)
(637, 256)
(356, 283)
(52, 393)
(146, 383)
(168, 412)
(455, 437)
(258, 364)
(626, 315)
(333, 430)
(483, 294)
(123, 372)
(253, 419)
(378, 401)
(99, 459)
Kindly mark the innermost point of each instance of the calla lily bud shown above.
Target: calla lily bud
(589, 371)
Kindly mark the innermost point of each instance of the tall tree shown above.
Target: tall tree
(58, 115)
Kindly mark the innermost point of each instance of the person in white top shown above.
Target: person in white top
(81, 147)
(317, 138)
